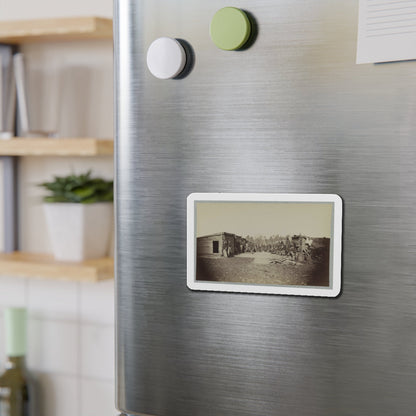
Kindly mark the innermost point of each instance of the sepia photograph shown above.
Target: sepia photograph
(284, 244)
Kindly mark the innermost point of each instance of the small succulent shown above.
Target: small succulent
(82, 189)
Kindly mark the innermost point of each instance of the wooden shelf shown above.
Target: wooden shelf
(39, 30)
(44, 266)
(18, 146)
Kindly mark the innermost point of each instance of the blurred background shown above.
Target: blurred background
(70, 352)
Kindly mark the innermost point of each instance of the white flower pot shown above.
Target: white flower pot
(79, 231)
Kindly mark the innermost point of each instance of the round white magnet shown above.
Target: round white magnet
(166, 58)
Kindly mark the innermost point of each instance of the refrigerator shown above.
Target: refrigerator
(281, 108)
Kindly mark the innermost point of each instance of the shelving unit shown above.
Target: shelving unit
(43, 265)
(41, 30)
(56, 147)
(30, 265)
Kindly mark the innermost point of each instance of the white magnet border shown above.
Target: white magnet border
(334, 288)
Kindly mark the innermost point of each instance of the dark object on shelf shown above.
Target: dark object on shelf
(7, 93)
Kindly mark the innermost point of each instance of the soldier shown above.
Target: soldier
(225, 248)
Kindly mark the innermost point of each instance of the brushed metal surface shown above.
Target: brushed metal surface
(291, 114)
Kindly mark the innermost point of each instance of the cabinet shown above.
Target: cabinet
(17, 263)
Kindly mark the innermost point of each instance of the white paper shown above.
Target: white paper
(386, 31)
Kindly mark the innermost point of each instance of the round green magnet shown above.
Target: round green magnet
(230, 28)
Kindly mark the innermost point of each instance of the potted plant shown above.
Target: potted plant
(79, 216)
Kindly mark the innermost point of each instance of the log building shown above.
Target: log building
(220, 244)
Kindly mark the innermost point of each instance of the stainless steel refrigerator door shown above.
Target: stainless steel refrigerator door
(292, 114)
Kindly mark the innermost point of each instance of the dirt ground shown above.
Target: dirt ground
(262, 268)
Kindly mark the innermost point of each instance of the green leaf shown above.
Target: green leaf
(84, 192)
(54, 199)
(79, 188)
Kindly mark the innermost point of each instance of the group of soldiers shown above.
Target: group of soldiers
(297, 248)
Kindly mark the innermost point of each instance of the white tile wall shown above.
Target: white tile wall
(49, 298)
(56, 346)
(70, 343)
(97, 352)
(12, 292)
(97, 303)
(90, 391)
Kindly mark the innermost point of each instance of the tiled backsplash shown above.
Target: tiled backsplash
(70, 343)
